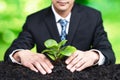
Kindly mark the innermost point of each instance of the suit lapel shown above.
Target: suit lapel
(74, 22)
(51, 25)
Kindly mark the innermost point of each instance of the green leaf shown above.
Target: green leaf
(57, 50)
(50, 43)
(47, 51)
(52, 57)
(62, 43)
(50, 51)
(68, 50)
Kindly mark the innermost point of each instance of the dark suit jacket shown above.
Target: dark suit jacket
(85, 32)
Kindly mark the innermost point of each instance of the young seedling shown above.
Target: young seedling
(56, 50)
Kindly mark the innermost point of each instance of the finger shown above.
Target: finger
(79, 63)
(45, 63)
(76, 65)
(39, 67)
(73, 63)
(33, 68)
(45, 66)
(82, 67)
(30, 66)
(49, 64)
(73, 69)
(71, 57)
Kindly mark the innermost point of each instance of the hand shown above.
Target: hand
(34, 61)
(80, 60)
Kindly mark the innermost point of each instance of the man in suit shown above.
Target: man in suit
(84, 31)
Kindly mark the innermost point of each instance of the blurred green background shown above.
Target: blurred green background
(13, 14)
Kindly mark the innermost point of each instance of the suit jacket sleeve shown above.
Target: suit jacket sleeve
(102, 43)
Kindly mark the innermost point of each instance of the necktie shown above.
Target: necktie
(63, 24)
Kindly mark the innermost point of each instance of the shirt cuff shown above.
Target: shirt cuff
(102, 57)
(11, 56)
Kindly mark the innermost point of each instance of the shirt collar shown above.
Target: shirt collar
(58, 17)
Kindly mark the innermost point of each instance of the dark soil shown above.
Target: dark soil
(10, 71)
